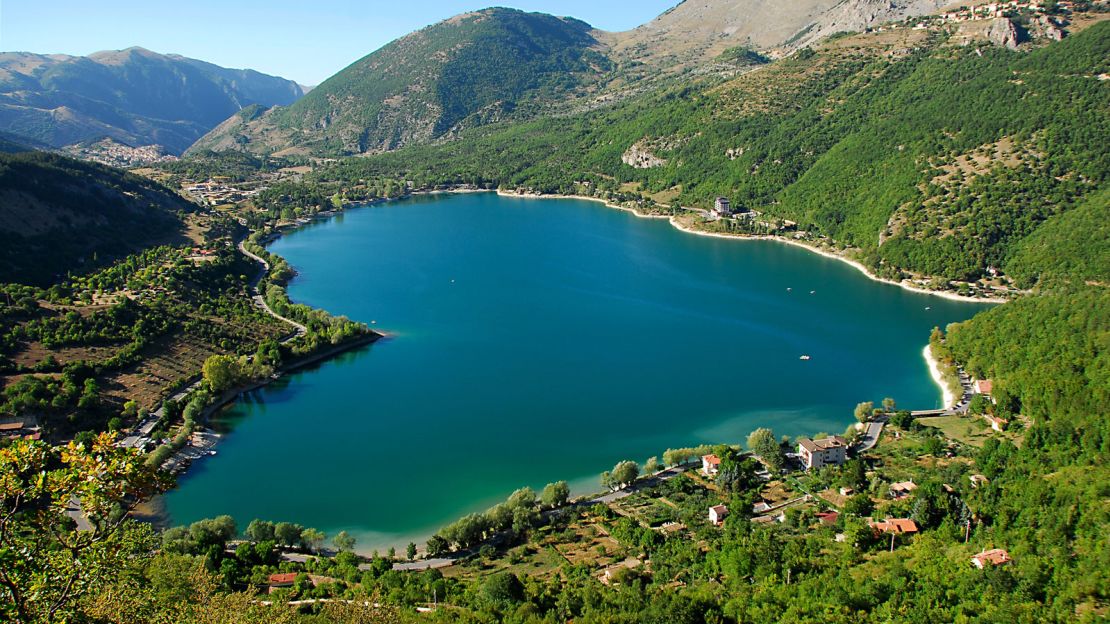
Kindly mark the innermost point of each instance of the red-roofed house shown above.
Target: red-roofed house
(710, 465)
(993, 557)
(900, 526)
(718, 514)
(997, 424)
(828, 517)
(284, 579)
(984, 386)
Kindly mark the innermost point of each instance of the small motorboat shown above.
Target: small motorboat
(805, 358)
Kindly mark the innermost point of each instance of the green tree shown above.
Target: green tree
(287, 533)
(47, 565)
(888, 404)
(313, 538)
(555, 494)
(762, 442)
(344, 541)
(864, 411)
(410, 551)
(625, 472)
(223, 372)
(652, 465)
(260, 531)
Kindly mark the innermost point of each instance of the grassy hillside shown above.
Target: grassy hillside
(59, 215)
(927, 157)
(467, 71)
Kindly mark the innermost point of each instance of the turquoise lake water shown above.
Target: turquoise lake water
(534, 341)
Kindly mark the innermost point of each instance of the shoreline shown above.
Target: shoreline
(938, 378)
(154, 509)
(778, 239)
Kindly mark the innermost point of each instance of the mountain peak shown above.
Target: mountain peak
(472, 69)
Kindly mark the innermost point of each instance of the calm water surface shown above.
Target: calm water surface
(544, 340)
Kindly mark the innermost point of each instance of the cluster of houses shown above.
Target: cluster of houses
(213, 193)
(832, 451)
(1000, 9)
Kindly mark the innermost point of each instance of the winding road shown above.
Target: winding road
(301, 330)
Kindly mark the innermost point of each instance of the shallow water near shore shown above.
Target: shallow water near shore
(534, 341)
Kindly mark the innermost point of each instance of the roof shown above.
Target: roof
(285, 578)
(995, 556)
(823, 444)
(719, 509)
(14, 426)
(895, 525)
(829, 517)
(712, 460)
(984, 386)
(903, 486)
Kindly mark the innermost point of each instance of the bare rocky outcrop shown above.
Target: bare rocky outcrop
(1045, 27)
(699, 29)
(639, 156)
(1003, 32)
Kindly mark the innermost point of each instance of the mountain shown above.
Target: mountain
(134, 96)
(59, 215)
(929, 158)
(469, 70)
(697, 30)
(503, 64)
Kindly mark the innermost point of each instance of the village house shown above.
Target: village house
(898, 526)
(830, 451)
(761, 507)
(710, 465)
(828, 518)
(996, 423)
(902, 489)
(984, 387)
(717, 515)
(284, 579)
(993, 557)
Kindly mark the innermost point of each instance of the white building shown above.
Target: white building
(718, 514)
(830, 451)
(710, 465)
(722, 207)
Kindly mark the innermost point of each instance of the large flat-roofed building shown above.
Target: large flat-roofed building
(830, 451)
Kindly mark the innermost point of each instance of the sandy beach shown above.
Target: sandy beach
(934, 372)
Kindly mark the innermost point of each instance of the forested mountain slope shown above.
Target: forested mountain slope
(467, 71)
(135, 96)
(59, 215)
(926, 156)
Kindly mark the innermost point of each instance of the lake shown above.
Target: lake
(533, 341)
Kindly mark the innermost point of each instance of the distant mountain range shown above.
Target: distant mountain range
(134, 96)
(502, 64)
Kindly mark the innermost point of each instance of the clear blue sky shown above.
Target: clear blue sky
(304, 40)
